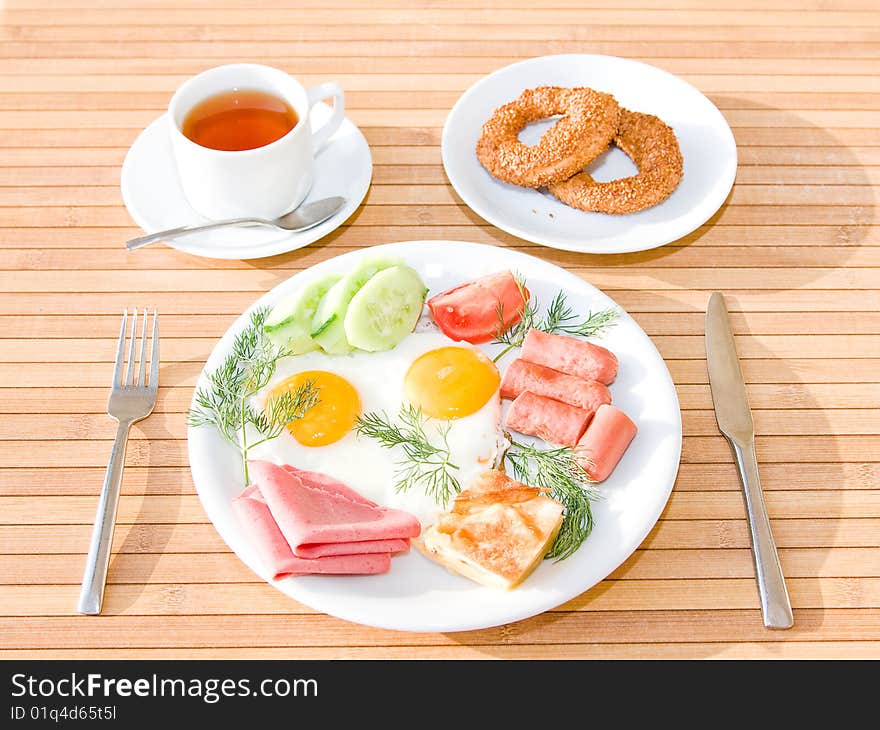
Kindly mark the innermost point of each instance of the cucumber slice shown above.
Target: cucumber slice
(328, 328)
(385, 310)
(289, 323)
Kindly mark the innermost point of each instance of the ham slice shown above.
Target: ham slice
(256, 520)
(549, 419)
(570, 355)
(604, 442)
(313, 509)
(304, 522)
(320, 550)
(522, 375)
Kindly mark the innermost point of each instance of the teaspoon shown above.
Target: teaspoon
(304, 217)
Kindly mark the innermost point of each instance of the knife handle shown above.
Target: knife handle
(775, 604)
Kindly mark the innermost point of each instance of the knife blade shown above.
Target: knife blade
(735, 421)
(725, 374)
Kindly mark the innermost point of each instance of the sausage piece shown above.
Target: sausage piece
(570, 355)
(522, 375)
(604, 442)
(551, 420)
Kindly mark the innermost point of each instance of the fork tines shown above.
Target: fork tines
(135, 374)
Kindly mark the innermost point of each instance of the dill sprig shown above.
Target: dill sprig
(560, 318)
(513, 335)
(555, 469)
(425, 464)
(225, 402)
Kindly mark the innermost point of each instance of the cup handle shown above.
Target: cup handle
(326, 130)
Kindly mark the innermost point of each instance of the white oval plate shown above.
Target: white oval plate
(417, 594)
(704, 136)
(152, 193)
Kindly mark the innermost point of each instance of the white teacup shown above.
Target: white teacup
(264, 182)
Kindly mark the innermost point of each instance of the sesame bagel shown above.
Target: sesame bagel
(653, 148)
(588, 121)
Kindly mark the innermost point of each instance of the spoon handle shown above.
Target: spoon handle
(186, 230)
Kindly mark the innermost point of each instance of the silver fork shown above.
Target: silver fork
(132, 397)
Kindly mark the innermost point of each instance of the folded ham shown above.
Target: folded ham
(303, 522)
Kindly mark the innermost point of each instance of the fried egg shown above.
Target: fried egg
(453, 383)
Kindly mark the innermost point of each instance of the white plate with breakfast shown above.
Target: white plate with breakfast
(154, 197)
(435, 436)
(589, 153)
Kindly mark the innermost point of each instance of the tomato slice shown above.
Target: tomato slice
(470, 312)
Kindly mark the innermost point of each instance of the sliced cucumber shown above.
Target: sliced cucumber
(289, 323)
(385, 309)
(328, 328)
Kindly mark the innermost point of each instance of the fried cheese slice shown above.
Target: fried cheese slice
(496, 531)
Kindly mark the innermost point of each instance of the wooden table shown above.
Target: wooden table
(796, 248)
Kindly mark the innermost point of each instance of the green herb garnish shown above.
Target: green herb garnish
(555, 469)
(225, 402)
(560, 318)
(425, 464)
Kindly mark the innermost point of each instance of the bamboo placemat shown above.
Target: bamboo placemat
(796, 249)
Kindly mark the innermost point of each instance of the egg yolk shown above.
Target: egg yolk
(332, 417)
(451, 382)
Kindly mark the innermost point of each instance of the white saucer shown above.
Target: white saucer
(706, 142)
(152, 193)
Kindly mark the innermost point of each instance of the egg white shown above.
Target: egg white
(362, 463)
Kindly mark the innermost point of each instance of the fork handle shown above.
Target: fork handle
(95, 575)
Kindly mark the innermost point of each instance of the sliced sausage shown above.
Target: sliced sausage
(522, 376)
(604, 442)
(551, 420)
(570, 355)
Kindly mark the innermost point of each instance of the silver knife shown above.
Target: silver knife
(300, 219)
(735, 422)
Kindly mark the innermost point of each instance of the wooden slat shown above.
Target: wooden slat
(255, 280)
(138, 569)
(453, 215)
(608, 40)
(406, 16)
(693, 5)
(572, 627)
(306, 63)
(260, 599)
(668, 651)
